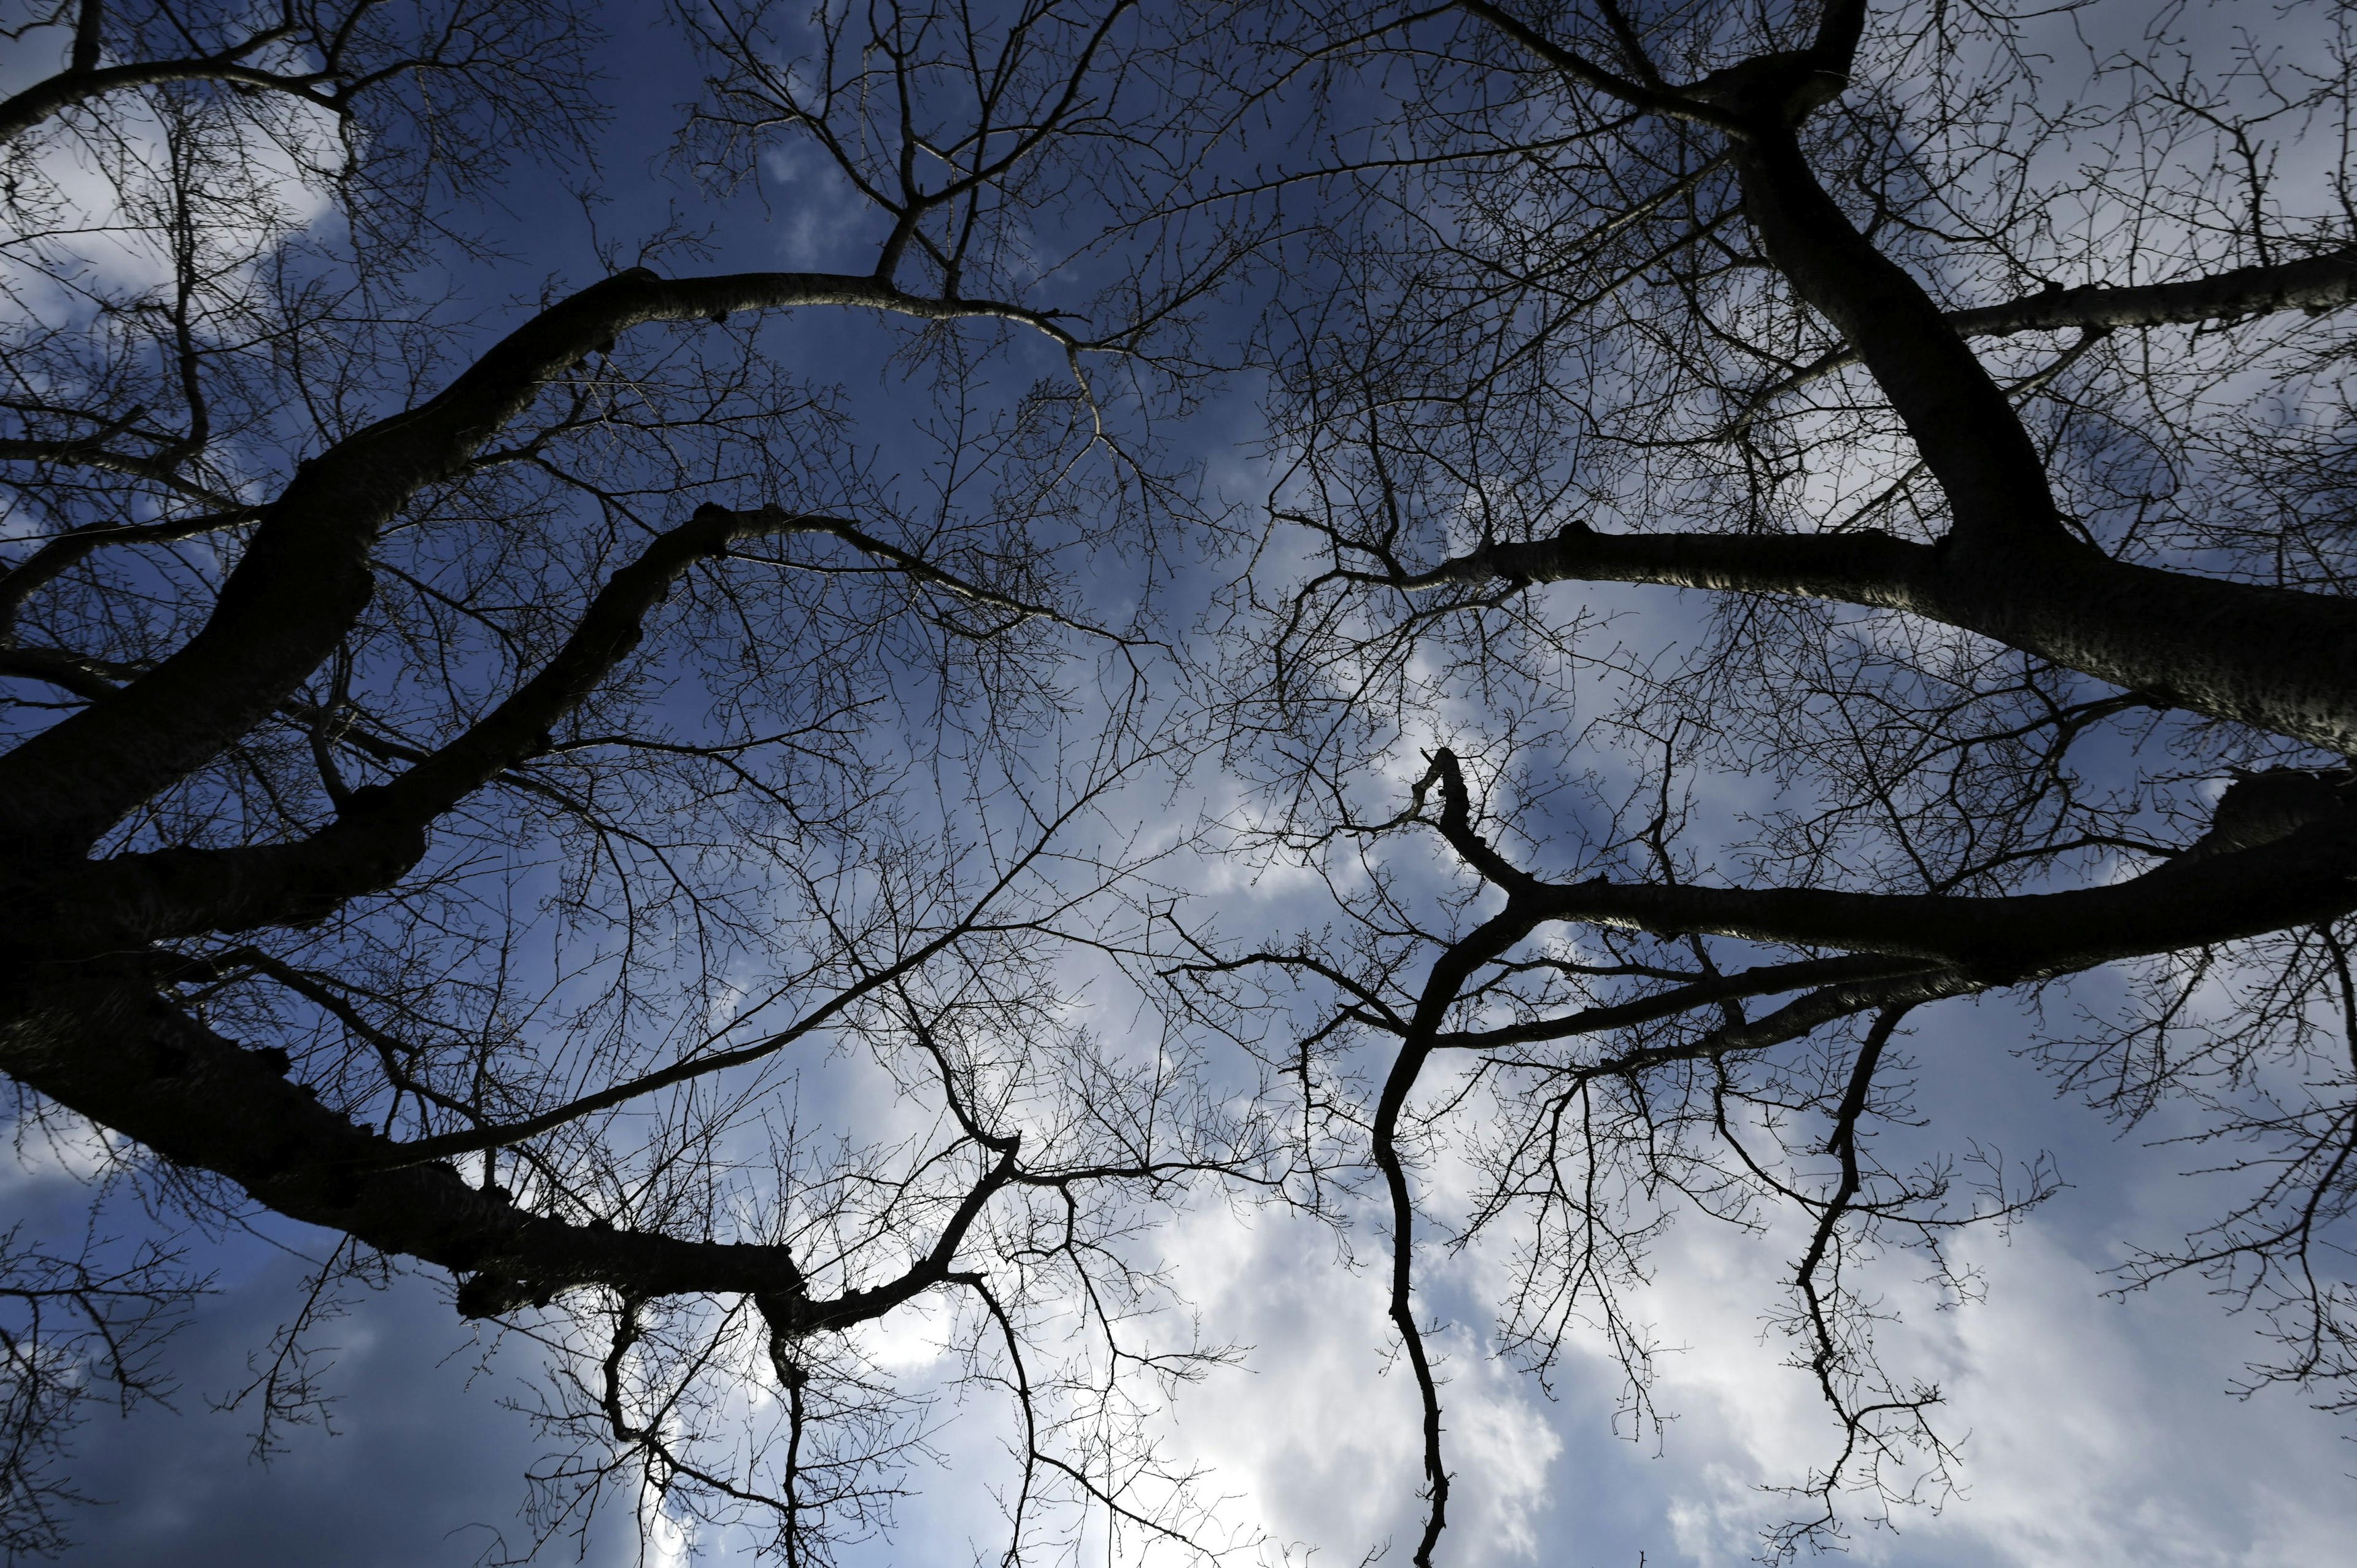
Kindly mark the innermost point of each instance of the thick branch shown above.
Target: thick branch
(2313, 284)
(1768, 980)
(2274, 658)
(1868, 567)
(2282, 660)
(1962, 423)
(104, 1045)
(88, 678)
(92, 453)
(70, 89)
(57, 555)
(381, 831)
(1588, 73)
(2010, 570)
(304, 578)
(1959, 418)
(2302, 878)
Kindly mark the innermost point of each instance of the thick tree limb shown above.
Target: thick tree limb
(57, 555)
(2312, 283)
(304, 578)
(331, 88)
(1765, 980)
(2282, 660)
(1959, 419)
(89, 678)
(90, 453)
(2274, 658)
(101, 1043)
(1588, 73)
(1868, 567)
(379, 831)
(2304, 878)
(70, 89)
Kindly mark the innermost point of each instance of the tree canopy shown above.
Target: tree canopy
(702, 807)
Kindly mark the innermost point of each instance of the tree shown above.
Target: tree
(467, 779)
(2000, 415)
(454, 778)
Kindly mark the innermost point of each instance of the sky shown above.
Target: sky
(2101, 1429)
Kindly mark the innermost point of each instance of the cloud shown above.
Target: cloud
(2096, 1431)
(424, 1467)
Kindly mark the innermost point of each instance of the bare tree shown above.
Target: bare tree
(1985, 381)
(458, 787)
(580, 802)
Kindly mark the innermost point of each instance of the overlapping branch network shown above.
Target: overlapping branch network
(1778, 310)
(602, 809)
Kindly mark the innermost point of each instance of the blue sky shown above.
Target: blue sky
(2101, 1429)
(2100, 1432)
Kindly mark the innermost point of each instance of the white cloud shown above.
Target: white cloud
(2096, 1432)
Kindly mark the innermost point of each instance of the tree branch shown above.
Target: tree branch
(2276, 658)
(2301, 879)
(305, 579)
(2313, 284)
(109, 1048)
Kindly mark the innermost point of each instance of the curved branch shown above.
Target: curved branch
(380, 830)
(106, 1046)
(2301, 879)
(70, 89)
(1588, 74)
(59, 555)
(305, 579)
(894, 974)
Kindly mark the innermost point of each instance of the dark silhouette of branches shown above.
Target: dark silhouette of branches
(593, 801)
(74, 1330)
(2030, 637)
(508, 799)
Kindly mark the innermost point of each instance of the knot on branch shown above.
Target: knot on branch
(1780, 89)
(2260, 808)
(488, 1295)
(790, 1319)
